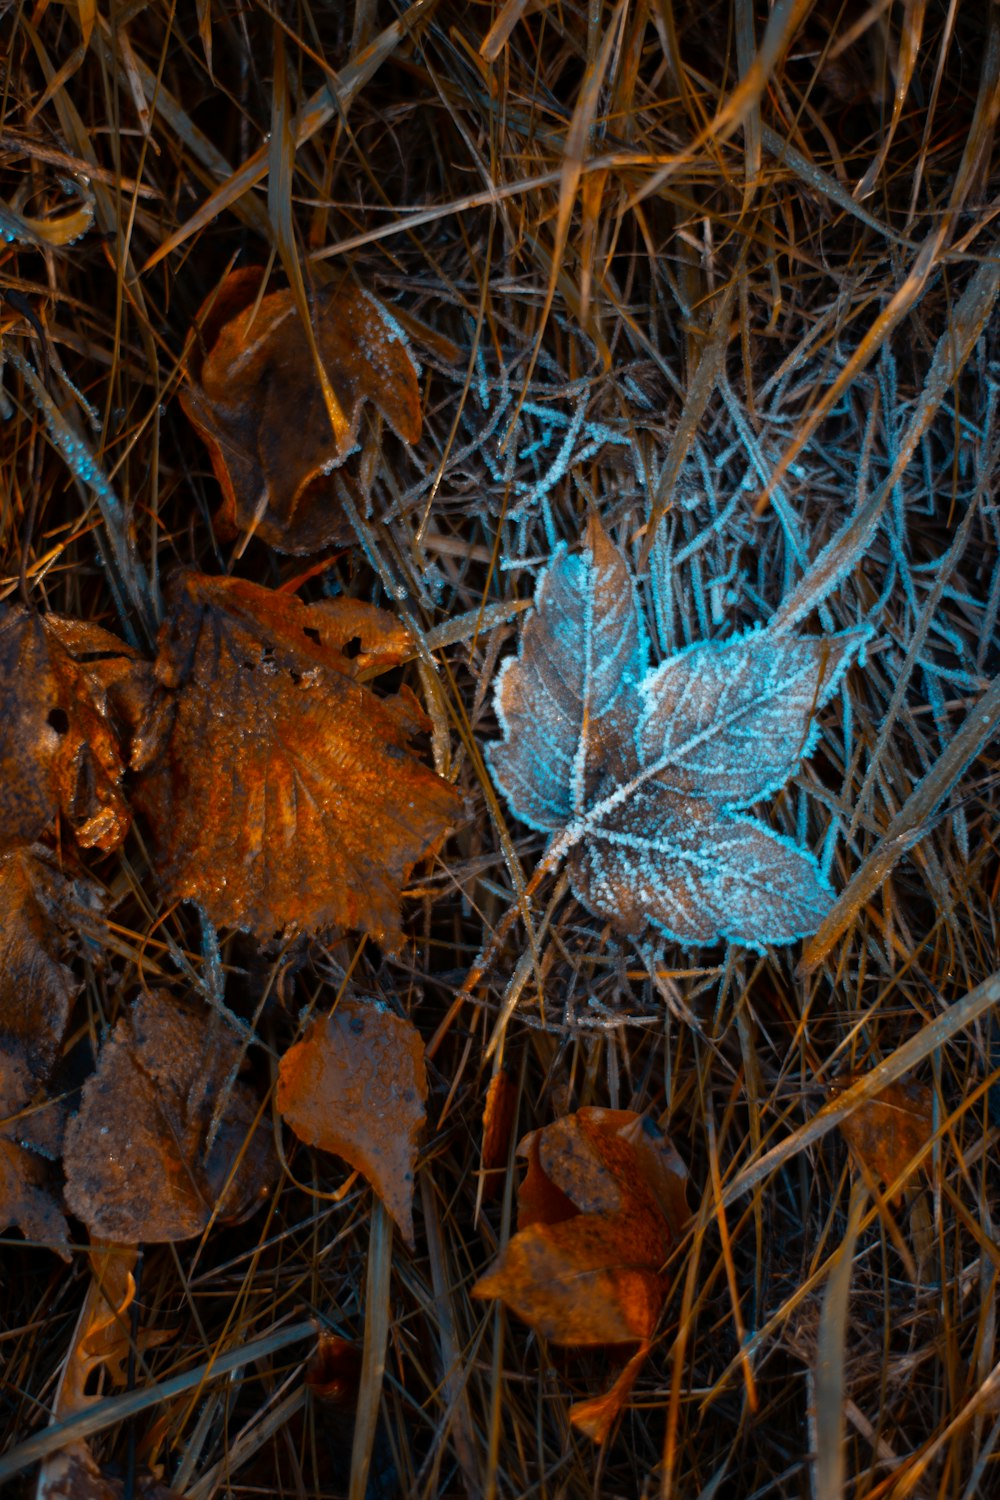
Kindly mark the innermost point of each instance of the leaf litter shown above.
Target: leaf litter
(788, 402)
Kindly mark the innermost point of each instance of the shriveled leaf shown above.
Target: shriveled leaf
(887, 1132)
(640, 773)
(257, 401)
(281, 793)
(356, 1085)
(165, 1138)
(566, 702)
(593, 1229)
(60, 750)
(102, 1341)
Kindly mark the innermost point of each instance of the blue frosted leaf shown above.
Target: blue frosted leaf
(567, 702)
(696, 874)
(731, 720)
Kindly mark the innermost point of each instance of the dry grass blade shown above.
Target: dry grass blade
(828, 1381)
(374, 1354)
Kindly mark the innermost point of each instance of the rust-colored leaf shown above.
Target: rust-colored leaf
(164, 1138)
(257, 401)
(356, 1085)
(29, 1132)
(596, 1220)
(59, 747)
(280, 791)
(887, 1132)
(498, 1124)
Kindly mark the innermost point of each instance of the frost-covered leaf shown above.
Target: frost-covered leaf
(696, 874)
(641, 774)
(566, 702)
(731, 720)
(256, 400)
(356, 1085)
(60, 750)
(280, 791)
(165, 1138)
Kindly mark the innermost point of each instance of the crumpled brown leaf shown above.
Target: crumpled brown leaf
(601, 1205)
(356, 1085)
(256, 399)
(38, 904)
(888, 1131)
(149, 1156)
(281, 793)
(61, 690)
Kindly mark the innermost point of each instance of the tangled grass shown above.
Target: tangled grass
(726, 276)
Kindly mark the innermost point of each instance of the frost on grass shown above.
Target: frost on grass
(643, 774)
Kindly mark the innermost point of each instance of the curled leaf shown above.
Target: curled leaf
(601, 1204)
(165, 1139)
(281, 793)
(356, 1085)
(60, 750)
(257, 400)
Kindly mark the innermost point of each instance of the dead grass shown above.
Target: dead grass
(653, 288)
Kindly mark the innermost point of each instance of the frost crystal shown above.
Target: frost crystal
(642, 774)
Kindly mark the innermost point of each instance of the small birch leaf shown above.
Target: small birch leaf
(281, 793)
(639, 774)
(356, 1085)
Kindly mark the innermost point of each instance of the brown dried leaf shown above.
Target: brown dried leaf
(280, 792)
(356, 1085)
(61, 682)
(36, 990)
(887, 1132)
(27, 1198)
(601, 1204)
(149, 1157)
(256, 399)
